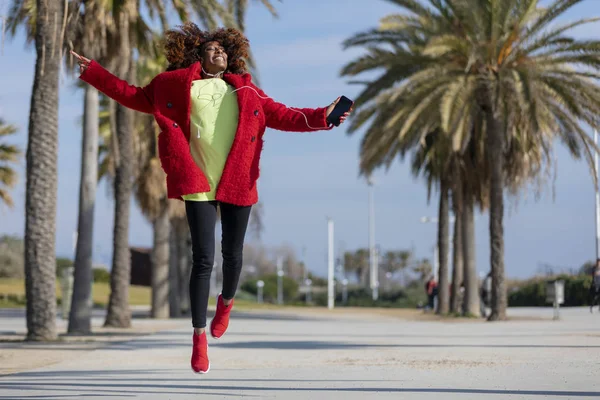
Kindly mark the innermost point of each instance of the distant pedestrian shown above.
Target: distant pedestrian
(431, 289)
(461, 296)
(486, 294)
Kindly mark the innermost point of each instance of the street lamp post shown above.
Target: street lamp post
(330, 265)
(373, 262)
(279, 280)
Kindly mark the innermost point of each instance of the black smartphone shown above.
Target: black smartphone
(340, 108)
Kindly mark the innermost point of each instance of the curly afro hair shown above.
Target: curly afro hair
(184, 45)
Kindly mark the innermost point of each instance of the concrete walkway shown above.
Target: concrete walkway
(338, 355)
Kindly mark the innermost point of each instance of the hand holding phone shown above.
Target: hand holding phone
(339, 111)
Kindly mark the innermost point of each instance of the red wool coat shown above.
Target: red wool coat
(167, 97)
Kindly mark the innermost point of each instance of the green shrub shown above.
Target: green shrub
(317, 281)
(290, 288)
(101, 275)
(532, 293)
(11, 257)
(361, 297)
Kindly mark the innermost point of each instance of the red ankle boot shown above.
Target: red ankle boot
(200, 362)
(220, 322)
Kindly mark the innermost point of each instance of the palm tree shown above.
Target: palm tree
(491, 73)
(81, 313)
(151, 196)
(358, 262)
(89, 33)
(457, 249)
(395, 261)
(41, 187)
(118, 313)
(454, 172)
(9, 154)
(434, 160)
(423, 268)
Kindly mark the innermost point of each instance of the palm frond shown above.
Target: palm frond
(9, 157)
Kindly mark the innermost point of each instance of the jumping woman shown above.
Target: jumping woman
(212, 119)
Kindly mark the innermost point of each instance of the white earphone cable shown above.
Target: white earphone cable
(291, 108)
(264, 98)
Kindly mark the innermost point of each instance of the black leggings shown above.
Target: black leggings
(202, 217)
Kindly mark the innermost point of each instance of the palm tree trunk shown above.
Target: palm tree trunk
(457, 260)
(41, 186)
(160, 265)
(495, 145)
(443, 247)
(81, 310)
(119, 314)
(174, 292)
(470, 269)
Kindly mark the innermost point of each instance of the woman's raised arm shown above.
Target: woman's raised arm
(136, 98)
(284, 118)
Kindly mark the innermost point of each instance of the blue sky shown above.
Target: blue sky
(306, 177)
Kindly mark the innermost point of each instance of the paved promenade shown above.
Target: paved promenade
(302, 354)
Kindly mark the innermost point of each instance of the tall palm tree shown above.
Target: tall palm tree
(81, 314)
(457, 249)
(41, 186)
(89, 34)
(118, 313)
(46, 25)
(454, 172)
(491, 72)
(9, 155)
(433, 159)
(151, 197)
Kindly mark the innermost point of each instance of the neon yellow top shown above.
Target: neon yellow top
(213, 123)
